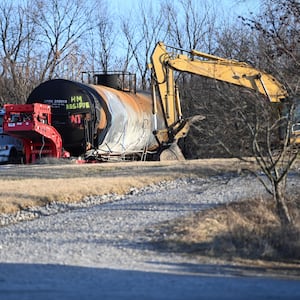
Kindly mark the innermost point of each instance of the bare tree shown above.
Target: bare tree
(141, 36)
(278, 31)
(189, 25)
(101, 40)
(244, 123)
(236, 42)
(274, 154)
(16, 43)
(39, 40)
(59, 25)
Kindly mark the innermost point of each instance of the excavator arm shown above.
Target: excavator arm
(163, 64)
(234, 72)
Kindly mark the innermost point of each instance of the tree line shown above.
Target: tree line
(42, 40)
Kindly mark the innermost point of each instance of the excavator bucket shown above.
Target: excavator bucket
(172, 153)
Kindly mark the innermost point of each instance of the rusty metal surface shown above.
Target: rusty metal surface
(131, 124)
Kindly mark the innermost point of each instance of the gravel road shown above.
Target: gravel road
(100, 249)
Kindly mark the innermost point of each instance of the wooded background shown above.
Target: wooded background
(47, 39)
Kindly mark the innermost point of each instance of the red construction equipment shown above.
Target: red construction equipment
(32, 124)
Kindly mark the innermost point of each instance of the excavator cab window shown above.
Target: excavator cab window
(296, 116)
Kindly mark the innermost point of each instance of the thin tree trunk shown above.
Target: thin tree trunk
(281, 206)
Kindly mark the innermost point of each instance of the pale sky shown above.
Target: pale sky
(235, 7)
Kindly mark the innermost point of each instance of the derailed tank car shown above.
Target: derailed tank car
(100, 121)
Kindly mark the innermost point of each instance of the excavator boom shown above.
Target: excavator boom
(226, 70)
(164, 63)
(234, 72)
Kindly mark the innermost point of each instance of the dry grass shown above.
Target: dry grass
(25, 193)
(248, 230)
(35, 185)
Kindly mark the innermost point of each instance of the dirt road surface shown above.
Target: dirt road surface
(105, 251)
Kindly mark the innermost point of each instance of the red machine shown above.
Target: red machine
(31, 123)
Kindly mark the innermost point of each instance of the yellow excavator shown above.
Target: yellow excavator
(165, 92)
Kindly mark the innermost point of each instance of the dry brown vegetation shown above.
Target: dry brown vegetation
(67, 184)
(37, 192)
(34, 185)
(245, 233)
